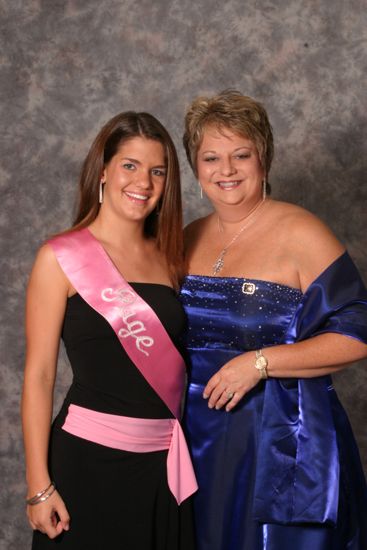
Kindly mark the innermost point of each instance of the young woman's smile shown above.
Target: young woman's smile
(137, 175)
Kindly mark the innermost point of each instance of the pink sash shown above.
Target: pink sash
(140, 332)
(137, 435)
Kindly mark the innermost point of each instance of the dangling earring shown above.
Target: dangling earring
(201, 190)
(101, 184)
(264, 188)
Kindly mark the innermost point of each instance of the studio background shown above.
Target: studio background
(69, 66)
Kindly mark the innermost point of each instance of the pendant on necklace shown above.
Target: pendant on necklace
(218, 265)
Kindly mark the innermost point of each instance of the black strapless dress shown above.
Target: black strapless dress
(117, 500)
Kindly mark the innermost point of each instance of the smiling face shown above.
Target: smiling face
(229, 168)
(134, 179)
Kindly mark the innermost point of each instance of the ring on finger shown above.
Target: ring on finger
(229, 395)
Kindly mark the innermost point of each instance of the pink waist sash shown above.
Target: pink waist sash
(138, 435)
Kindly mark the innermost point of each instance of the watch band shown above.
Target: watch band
(261, 364)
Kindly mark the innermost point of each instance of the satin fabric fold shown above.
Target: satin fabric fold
(298, 467)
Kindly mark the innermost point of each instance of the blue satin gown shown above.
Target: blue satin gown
(282, 470)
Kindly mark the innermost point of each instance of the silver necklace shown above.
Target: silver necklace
(219, 263)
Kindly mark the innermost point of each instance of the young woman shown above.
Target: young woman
(113, 471)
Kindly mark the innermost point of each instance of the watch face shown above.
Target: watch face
(261, 362)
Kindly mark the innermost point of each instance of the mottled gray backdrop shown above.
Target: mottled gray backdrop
(67, 66)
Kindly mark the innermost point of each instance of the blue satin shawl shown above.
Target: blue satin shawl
(297, 474)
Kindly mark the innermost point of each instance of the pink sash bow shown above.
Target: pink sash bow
(138, 435)
(140, 332)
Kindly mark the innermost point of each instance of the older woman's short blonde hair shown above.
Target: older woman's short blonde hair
(229, 109)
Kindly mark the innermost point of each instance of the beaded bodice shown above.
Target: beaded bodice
(241, 314)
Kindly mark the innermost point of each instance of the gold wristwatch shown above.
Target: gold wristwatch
(261, 363)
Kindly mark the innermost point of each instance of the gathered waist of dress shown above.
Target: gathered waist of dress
(138, 435)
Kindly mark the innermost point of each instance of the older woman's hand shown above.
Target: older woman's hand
(232, 382)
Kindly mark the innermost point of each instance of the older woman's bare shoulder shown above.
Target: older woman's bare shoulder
(303, 227)
(310, 242)
(288, 211)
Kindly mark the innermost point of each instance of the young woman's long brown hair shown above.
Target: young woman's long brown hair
(165, 222)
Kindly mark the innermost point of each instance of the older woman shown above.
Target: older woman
(275, 305)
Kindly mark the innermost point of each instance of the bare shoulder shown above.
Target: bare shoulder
(46, 260)
(309, 241)
(46, 256)
(46, 273)
(306, 231)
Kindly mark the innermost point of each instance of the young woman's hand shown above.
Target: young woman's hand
(50, 517)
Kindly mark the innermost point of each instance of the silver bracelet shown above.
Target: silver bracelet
(42, 495)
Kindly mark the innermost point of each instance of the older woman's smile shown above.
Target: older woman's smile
(228, 185)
